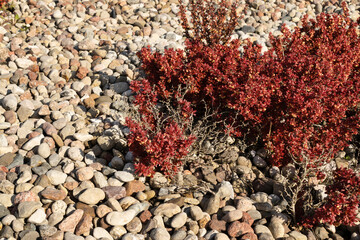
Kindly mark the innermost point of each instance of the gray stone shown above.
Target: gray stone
(221, 236)
(120, 87)
(105, 143)
(277, 229)
(212, 204)
(159, 234)
(24, 113)
(9, 102)
(259, 162)
(196, 213)
(124, 176)
(25, 209)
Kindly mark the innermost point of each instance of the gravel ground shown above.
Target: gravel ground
(65, 169)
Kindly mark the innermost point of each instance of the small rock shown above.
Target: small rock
(237, 228)
(48, 128)
(53, 194)
(218, 225)
(178, 220)
(37, 217)
(100, 233)
(23, 62)
(105, 143)
(297, 235)
(7, 159)
(56, 177)
(25, 209)
(85, 173)
(134, 187)
(212, 204)
(33, 142)
(259, 162)
(134, 226)
(44, 150)
(233, 216)
(124, 176)
(67, 131)
(244, 204)
(10, 102)
(196, 213)
(70, 222)
(83, 137)
(116, 192)
(160, 234)
(92, 196)
(277, 229)
(75, 154)
(167, 209)
(221, 236)
(57, 14)
(120, 218)
(84, 226)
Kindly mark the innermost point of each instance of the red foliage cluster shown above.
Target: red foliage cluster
(217, 76)
(157, 141)
(3, 3)
(342, 202)
(301, 97)
(208, 21)
(314, 106)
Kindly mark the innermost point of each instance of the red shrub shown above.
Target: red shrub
(157, 141)
(217, 76)
(196, 70)
(314, 109)
(341, 206)
(208, 21)
(302, 93)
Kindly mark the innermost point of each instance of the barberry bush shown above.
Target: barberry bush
(158, 141)
(336, 202)
(342, 202)
(195, 71)
(314, 106)
(300, 97)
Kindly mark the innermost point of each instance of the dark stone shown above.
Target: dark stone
(263, 185)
